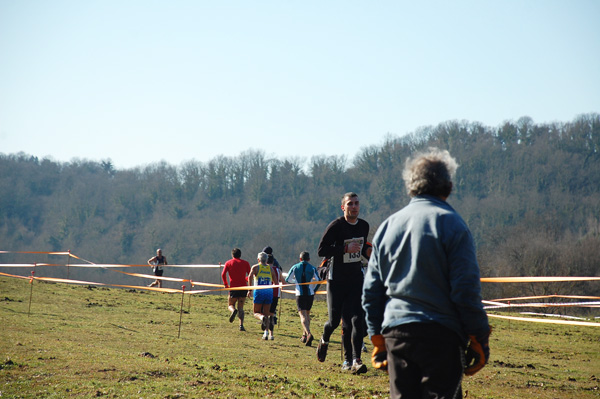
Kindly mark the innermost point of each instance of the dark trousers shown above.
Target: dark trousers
(343, 300)
(348, 332)
(425, 360)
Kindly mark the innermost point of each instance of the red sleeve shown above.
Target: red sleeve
(224, 276)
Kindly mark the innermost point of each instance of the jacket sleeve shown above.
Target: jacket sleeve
(291, 277)
(465, 284)
(367, 244)
(373, 297)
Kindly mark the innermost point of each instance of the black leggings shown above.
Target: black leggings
(344, 301)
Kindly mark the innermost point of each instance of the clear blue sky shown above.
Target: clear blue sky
(142, 81)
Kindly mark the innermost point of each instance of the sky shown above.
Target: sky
(139, 82)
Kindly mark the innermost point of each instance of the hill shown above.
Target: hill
(529, 192)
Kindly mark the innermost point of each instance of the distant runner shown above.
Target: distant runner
(238, 270)
(304, 272)
(263, 275)
(157, 262)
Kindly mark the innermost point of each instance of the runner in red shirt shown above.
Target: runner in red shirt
(238, 270)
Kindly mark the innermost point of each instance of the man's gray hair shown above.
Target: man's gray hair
(262, 257)
(430, 173)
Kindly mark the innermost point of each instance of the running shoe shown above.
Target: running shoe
(232, 316)
(266, 335)
(271, 337)
(322, 350)
(309, 340)
(346, 366)
(242, 328)
(264, 323)
(303, 339)
(358, 367)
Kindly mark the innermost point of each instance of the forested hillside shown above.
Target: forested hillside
(529, 192)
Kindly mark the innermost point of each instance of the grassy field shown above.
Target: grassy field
(80, 341)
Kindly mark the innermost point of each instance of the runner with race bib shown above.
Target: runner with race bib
(344, 241)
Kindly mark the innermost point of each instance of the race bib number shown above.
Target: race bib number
(354, 257)
(155, 265)
(263, 281)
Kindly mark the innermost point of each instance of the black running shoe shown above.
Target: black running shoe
(358, 367)
(309, 340)
(264, 323)
(322, 350)
(232, 316)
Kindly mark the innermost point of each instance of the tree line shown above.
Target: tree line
(529, 192)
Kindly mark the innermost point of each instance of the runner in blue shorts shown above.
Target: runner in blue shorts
(263, 275)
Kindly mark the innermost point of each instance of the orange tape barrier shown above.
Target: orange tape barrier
(103, 265)
(35, 252)
(175, 291)
(193, 283)
(111, 265)
(548, 296)
(153, 277)
(67, 281)
(12, 275)
(497, 303)
(64, 280)
(534, 320)
(70, 265)
(543, 305)
(535, 279)
(560, 316)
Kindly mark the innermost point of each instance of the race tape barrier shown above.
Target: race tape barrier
(535, 320)
(489, 305)
(535, 279)
(542, 305)
(102, 265)
(547, 296)
(36, 252)
(182, 291)
(218, 287)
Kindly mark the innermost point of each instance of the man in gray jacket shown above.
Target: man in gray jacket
(422, 292)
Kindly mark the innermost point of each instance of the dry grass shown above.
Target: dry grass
(97, 342)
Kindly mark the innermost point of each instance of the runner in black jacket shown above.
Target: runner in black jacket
(345, 241)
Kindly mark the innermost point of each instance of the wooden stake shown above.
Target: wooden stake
(181, 310)
(30, 291)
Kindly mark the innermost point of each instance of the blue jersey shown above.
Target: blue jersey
(303, 272)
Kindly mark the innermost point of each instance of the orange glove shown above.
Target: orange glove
(478, 353)
(379, 356)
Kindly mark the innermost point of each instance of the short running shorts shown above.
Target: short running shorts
(305, 302)
(264, 296)
(238, 294)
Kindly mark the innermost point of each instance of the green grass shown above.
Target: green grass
(96, 342)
